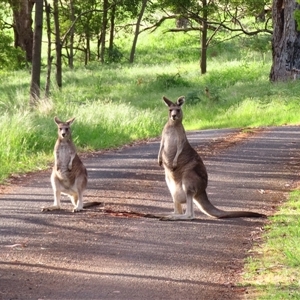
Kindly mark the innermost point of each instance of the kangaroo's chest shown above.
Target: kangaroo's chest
(170, 143)
(173, 140)
(63, 155)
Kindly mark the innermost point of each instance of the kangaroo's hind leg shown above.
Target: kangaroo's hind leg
(177, 194)
(79, 188)
(180, 194)
(57, 195)
(77, 202)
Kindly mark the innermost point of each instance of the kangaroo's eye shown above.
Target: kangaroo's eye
(178, 110)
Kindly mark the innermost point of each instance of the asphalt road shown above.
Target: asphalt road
(101, 255)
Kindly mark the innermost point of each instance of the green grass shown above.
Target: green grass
(275, 271)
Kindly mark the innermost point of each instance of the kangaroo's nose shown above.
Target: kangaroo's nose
(63, 134)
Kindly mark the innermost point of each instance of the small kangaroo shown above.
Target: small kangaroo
(69, 175)
(185, 172)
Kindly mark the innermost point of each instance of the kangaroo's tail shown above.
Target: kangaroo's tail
(203, 203)
(90, 204)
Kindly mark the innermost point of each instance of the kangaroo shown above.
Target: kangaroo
(185, 173)
(69, 175)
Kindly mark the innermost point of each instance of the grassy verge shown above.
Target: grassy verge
(275, 271)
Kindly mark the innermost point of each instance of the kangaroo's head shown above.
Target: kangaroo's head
(175, 112)
(64, 130)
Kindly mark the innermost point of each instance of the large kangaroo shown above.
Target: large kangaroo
(69, 175)
(185, 172)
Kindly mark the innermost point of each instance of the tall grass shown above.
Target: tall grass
(23, 143)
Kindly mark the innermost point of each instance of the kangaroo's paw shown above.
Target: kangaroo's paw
(77, 209)
(51, 208)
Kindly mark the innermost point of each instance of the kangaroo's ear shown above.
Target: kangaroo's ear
(57, 120)
(70, 121)
(167, 101)
(180, 100)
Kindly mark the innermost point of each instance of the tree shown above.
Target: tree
(112, 29)
(137, 30)
(103, 30)
(22, 25)
(285, 41)
(36, 53)
(49, 56)
(212, 16)
(204, 43)
(58, 44)
(72, 33)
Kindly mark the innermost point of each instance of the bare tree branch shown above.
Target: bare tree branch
(212, 25)
(157, 24)
(242, 29)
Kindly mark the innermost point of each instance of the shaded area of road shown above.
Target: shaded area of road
(96, 255)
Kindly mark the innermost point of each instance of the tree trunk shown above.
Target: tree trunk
(203, 59)
(71, 50)
(87, 51)
(284, 40)
(49, 57)
(112, 30)
(22, 25)
(293, 51)
(103, 30)
(58, 45)
(137, 30)
(36, 53)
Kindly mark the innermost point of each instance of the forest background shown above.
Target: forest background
(108, 63)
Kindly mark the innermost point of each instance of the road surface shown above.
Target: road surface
(104, 253)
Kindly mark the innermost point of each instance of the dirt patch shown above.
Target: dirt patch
(221, 144)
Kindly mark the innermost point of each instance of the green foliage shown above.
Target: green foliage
(166, 81)
(178, 6)
(10, 57)
(179, 46)
(113, 55)
(259, 43)
(297, 15)
(193, 97)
